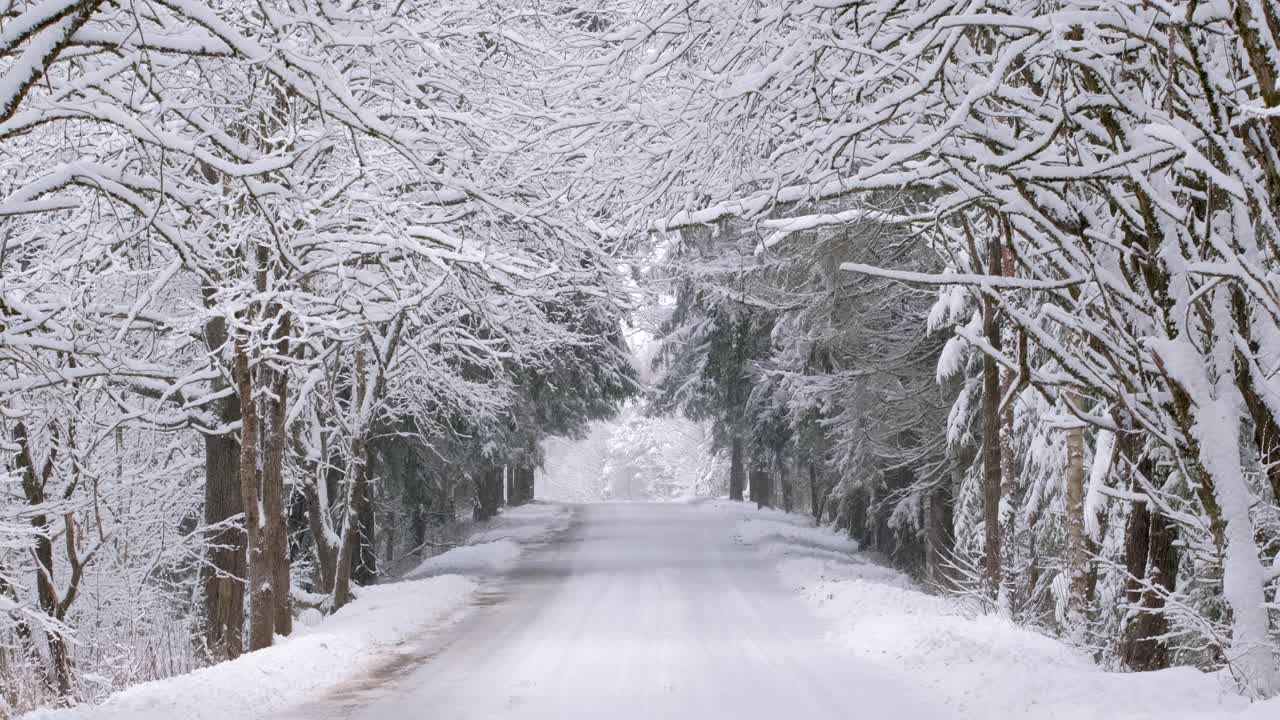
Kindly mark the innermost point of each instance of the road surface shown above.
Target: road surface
(636, 611)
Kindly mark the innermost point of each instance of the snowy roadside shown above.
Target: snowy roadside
(338, 648)
(980, 667)
(494, 549)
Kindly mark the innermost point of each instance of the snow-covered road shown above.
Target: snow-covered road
(637, 610)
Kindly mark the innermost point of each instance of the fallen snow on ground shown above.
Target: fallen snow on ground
(976, 666)
(259, 684)
(489, 558)
(526, 524)
(323, 653)
(496, 548)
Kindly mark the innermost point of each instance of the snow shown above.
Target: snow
(495, 549)
(259, 684)
(641, 610)
(326, 652)
(1098, 473)
(489, 558)
(702, 610)
(527, 524)
(975, 665)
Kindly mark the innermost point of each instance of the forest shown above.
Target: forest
(293, 290)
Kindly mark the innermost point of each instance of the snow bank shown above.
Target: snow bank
(323, 653)
(495, 549)
(491, 558)
(976, 666)
(260, 684)
(526, 524)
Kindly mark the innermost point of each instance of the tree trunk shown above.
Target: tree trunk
(260, 568)
(418, 523)
(737, 474)
(817, 498)
(1009, 487)
(224, 572)
(222, 575)
(356, 497)
(34, 484)
(991, 423)
(938, 533)
(1077, 538)
(784, 488)
(522, 484)
(321, 534)
(761, 488)
(488, 490)
(1141, 644)
(274, 524)
(366, 570)
(1137, 536)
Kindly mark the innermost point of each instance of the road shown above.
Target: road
(636, 611)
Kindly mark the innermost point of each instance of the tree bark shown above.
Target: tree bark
(1077, 538)
(34, 484)
(1009, 488)
(737, 474)
(356, 499)
(1141, 646)
(522, 484)
(488, 490)
(991, 424)
(258, 559)
(275, 527)
(366, 570)
(938, 533)
(222, 575)
(816, 496)
(321, 534)
(761, 488)
(784, 488)
(1137, 537)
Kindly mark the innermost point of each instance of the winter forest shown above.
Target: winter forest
(295, 292)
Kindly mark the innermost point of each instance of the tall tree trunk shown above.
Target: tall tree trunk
(488, 493)
(1077, 538)
(1137, 537)
(784, 487)
(366, 570)
(34, 485)
(258, 556)
(1009, 501)
(991, 425)
(817, 498)
(223, 573)
(1142, 646)
(737, 473)
(761, 488)
(356, 497)
(275, 526)
(321, 532)
(522, 484)
(418, 522)
(938, 533)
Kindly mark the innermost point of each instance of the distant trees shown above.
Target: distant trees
(710, 341)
